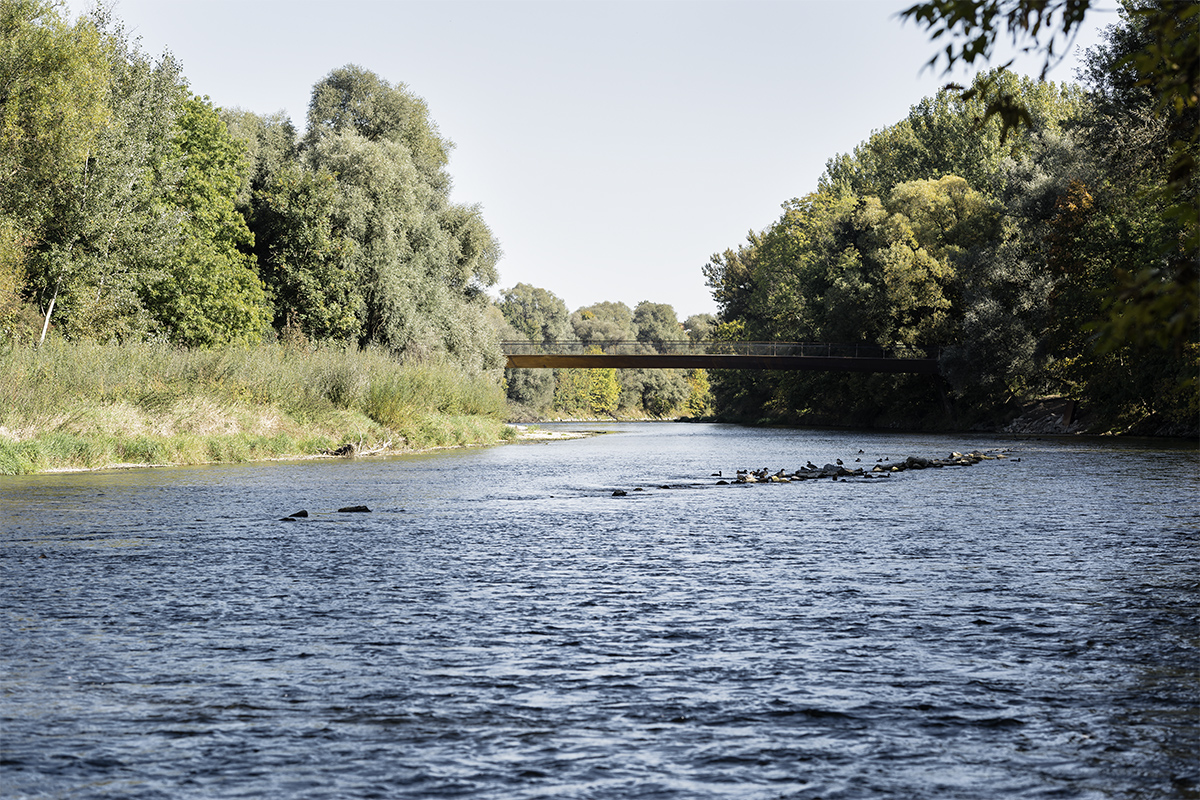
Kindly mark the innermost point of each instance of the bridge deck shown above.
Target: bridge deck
(925, 366)
(734, 355)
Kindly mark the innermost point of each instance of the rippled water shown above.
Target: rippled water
(501, 626)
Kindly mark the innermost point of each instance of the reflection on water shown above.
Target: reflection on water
(501, 626)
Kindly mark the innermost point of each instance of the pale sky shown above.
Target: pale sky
(613, 145)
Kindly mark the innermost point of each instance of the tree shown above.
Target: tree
(658, 392)
(355, 100)
(604, 392)
(1146, 126)
(699, 327)
(105, 229)
(53, 92)
(656, 323)
(540, 315)
(604, 323)
(305, 265)
(53, 87)
(699, 401)
(422, 263)
(210, 293)
(945, 135)
(1152, 54)
(271, 145)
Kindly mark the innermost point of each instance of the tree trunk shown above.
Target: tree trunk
(50, 310)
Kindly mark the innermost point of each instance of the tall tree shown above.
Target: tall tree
(656, 323)
(422, 262)
(111, 228)
(53, 103)
(305, 264)
(209, 292)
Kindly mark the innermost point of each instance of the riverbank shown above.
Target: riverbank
(87, 406)
(1043, 416)
(509, 434)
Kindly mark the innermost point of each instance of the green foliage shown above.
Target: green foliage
(1146, 127)
(699, 401)
(1006, 264)
(540, 315)
(129, 209)
(590, 392)
(209, 293)
(90, 405)
(605, 322)
(1146, 87)
(421, 263)
(656, 323)
(357, 101)
(950, 134)
(305, 265)
(532, 389)
(86, 128)
(700, 327)
(604, 391)
(52, 105)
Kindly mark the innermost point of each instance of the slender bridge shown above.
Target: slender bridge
(720, 355)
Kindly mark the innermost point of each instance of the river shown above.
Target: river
(499, 625)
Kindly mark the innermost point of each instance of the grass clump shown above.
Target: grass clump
(86, 405)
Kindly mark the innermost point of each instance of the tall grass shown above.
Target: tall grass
(87, 404)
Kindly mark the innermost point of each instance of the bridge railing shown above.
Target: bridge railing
(686, 347)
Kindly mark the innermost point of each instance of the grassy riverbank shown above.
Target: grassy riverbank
(81, 406)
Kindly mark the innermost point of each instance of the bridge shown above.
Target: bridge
(720, 355)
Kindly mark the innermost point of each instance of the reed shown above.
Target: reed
(86, 405)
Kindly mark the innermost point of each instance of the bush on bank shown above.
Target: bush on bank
(87, 405)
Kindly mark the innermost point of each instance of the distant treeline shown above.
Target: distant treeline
(539, 316)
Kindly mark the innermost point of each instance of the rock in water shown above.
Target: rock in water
(354, 509)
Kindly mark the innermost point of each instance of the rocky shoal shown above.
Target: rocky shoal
(883, 468)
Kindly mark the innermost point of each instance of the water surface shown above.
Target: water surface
(501, 626)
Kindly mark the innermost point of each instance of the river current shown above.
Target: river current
(499, 625)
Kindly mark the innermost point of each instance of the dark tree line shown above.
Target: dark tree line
(1057, 256)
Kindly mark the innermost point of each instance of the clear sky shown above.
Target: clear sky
(613, 145)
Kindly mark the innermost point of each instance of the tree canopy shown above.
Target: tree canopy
(132, 209)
